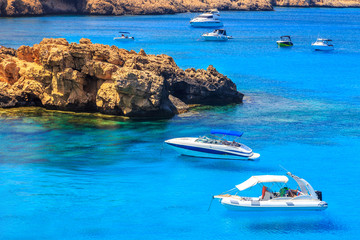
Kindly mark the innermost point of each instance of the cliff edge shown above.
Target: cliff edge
(316, 3)
(140, 7)
(122, 7)
(90, 77)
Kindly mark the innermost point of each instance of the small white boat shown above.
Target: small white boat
(322, 44)
(213, 146)
(216, 35)
(125, 36)
(207, 20)
(286, 199)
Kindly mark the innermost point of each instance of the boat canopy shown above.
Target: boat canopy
(261, 179)
(227, 132)
(285, 38)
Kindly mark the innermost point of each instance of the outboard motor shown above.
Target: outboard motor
(319, 195)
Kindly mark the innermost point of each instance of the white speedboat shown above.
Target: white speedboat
(322, 44)
(207, 20)
(216, 35)
(286, 199)
(125, 36)
(213, 146)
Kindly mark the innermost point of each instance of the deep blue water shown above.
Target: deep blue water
(79, 176)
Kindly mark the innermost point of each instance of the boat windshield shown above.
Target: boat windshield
(206, 17)
(285, 38)
(219, 141)
(220, 31)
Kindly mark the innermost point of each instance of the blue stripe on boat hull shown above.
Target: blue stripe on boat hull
(204, 150)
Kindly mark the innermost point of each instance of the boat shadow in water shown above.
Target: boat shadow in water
(289, 222)
(224, 165)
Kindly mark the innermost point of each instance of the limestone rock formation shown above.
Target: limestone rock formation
(90, 77)
(316, 3)
(121, 7)
(139, 7)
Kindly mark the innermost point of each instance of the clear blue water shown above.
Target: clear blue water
(78, 176)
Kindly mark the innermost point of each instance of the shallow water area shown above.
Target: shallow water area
(91, 176)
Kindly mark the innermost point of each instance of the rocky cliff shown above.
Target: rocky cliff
(316, 3)
(121, 7)
(90, 77)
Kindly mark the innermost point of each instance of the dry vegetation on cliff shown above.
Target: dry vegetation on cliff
(121, 7)
(316, 3)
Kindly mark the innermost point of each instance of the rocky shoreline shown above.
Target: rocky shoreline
(13, 8)
(317, 3)
(87, 77)
(123, 7)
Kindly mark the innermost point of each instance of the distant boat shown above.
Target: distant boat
(285, 41)
(207, 20)
(322, 44)
(285, 199)
(124, 37)
(214, 146)
(216, 35)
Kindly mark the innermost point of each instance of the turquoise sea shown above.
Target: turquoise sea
(83, 176)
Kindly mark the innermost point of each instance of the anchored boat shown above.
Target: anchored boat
(125, 36)
(207, 20)
(285, 41)
(322, 44)
(216, 35)
(214, 146)
(303, 198)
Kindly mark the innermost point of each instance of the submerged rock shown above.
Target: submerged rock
(90, 77)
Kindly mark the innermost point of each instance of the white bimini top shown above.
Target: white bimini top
(261, 179)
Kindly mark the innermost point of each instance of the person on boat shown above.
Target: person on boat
(235, 144)
(287, 192)
(293, 192)
(225, 142)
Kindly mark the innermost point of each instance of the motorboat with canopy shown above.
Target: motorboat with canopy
(285, 41)
(207, 20)
(217, 145)
(322, 44)
(302, 198)
(216, 35)
(125, 36)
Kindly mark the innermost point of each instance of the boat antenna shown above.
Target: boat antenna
(287, 171)
(211, 203)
